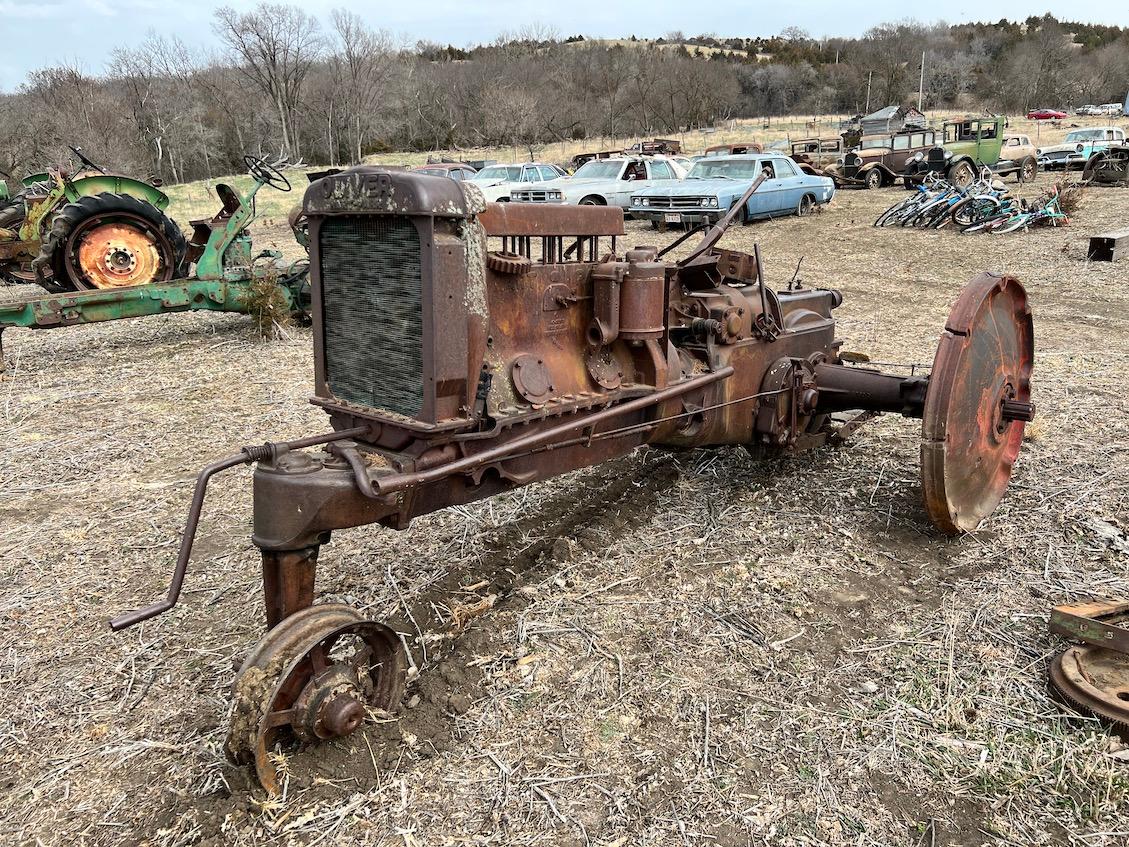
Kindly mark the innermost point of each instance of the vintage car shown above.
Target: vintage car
(603, 182)
(734, 149)
(1019, 149)
(1045, 115)
(458, 171)
(497, 181)
(817, 151)
(971, 143)
(718, 182)
(881, 160)
(1078, 146)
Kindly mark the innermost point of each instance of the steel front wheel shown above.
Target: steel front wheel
(873, 179)
(313, 677)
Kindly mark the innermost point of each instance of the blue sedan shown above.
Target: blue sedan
(716, 183)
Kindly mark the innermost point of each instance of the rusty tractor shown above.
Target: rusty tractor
(463, 349)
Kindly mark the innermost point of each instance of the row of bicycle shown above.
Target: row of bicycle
(985, 205)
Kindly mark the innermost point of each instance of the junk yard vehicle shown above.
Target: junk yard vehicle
(227, 273)
(881, 160)
(971, 143)
(603, 182)
(463, 349)
(715, 184)
(1109, 166)
(1079, 146)
(88, 230)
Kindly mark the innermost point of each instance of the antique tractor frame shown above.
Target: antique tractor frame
(464, 349)
(226, 267)
(90, 230)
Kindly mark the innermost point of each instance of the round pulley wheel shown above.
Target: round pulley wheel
(314, 675)
(978, 400)
(1095, 681)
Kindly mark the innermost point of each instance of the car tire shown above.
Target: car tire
(1028, 170)
(873, 179)
(804, 207)
(961, 174)
(593, 200)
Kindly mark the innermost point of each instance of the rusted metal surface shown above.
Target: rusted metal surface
(978, 401)
(518, 220)
(1097, 622)
(1108, 167)
(312, 676)
(452, 372)
(1095, 681)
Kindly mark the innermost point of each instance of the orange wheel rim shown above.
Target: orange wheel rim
(114, 255)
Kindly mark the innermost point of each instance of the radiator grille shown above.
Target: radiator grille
(372, 297)
(675, 202)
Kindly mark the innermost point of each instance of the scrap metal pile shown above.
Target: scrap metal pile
(463, 349)
(1093, 676)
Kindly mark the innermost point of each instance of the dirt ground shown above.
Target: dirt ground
(679, 649)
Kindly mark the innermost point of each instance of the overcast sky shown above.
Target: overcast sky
(35, 33)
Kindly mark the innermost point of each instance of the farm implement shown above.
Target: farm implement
(464, 349)
(228, 277)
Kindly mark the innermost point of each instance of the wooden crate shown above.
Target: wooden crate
(1109, 246)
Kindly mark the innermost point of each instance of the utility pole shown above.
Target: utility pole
(866, 111)
(921, 84)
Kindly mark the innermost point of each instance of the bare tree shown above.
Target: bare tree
(275, 46)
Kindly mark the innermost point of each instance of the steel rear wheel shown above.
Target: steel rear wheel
(978, 401)
(112, 241)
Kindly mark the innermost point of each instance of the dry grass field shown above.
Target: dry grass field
(672, 649)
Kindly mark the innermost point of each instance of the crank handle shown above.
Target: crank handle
(248, 455)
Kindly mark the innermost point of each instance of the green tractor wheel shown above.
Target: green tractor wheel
(111, 241)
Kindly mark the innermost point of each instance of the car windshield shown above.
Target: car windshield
(1085, 135)
(598, 170)
(728, 168)
(510, 173)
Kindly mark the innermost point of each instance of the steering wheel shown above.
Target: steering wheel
(266, 174)
(78, 152)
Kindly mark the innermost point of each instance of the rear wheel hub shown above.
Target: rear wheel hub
(114, 255)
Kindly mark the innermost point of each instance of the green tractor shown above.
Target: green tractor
(228, 274)
(88, 230)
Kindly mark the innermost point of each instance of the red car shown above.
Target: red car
(1045, 115)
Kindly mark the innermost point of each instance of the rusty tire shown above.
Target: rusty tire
(508, 263)
(296, 680)
(1028, 170)
(804, 207)
(873, 179)
(113, 241)
(978, 400)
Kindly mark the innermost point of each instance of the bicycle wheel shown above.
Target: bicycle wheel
(971, 210)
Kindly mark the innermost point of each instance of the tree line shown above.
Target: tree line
(280, 82)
